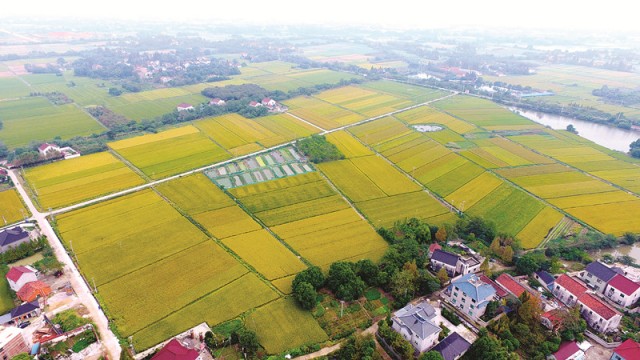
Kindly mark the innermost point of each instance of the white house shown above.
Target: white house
(470, 294)
(568, 289)
(598, 315)
(18, 276)
(184, 107)
(47, 149)
(444, 259)
(622, 291)
(268, 102)
(217, 102)
(597, 275)
(415, 324)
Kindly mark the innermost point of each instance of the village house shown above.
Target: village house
(452, 347)
(12, 342)
(568, 351)
(18, 276)
(217, 102)
(174, 350)
(552, 319)
(4, 175)
(433, 247)
(510, 284)
(545, 279)
(598, 315)
(622, 291)
(255, 104)
(597, 275)
(454, 264)
(269, 102)
(415, 324)
(25, 311)
(13, 237)
(500, 291)
(568, 289)
(47, 149)
(470, 294)
(184, 107)
(628, 350)
(32, 290)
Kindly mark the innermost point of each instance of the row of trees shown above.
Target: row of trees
(318, 149)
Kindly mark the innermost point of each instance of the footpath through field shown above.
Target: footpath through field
(109, 340)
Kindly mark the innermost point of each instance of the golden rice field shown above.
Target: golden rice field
(321, 113)
(428, 115)
(537, 230)
(195, 194)
(379, 131)
(265, 254)
(116, 237)
(71, 181)
(417, 94)
(473, 191)
(170, 152)
(11, 207)
(615, 218)
(384, 212)
(484, 113)
(363, 101)
(285, 284)
(227, 221)
(347, 144)
(295, 326)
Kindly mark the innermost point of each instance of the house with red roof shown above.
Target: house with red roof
(433, 247)
(184, 107)
(598, 314)
(553, 319)
(622, 291)
(628, 350)
(501, 292)
(47, 149)
(510, 284)
(568, 351)
(268, 102)
(255, 104)
(18, 276)
(217, 102)
(174, 350)
(568, 289)
(32, 290)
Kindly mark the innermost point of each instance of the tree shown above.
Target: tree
(487, 348)
(115, 91)
(403, 285)
(572, 129)
(526, 265)
(22, 356)
(443, 276)
(507, 254)
(441, 234)
(248, 341)
(312, 275)
(305, 294)
(368, 272)
(318, 149)
(431, 355)
(485, 267)
(344, 282)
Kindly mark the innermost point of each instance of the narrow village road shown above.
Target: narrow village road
(109, 340)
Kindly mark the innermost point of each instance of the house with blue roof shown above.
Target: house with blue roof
(415, 323)
(545, 279)
(470, 294)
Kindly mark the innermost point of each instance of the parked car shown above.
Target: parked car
(23, 325)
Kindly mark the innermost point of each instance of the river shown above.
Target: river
(631, 250)
(608, 136)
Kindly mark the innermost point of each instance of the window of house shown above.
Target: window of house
(471, 306)
(599, 281)
(454, 301)
(589, 275)
(600, 321)
(455, 287)
(455, 294)
(621, 295)
(463, 299)
(557, 287)
(473, 301)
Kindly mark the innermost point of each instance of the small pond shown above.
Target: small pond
(428, 128)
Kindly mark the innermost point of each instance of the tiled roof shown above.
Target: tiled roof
(475, 288)
(445, 257)
(175, 351)
(499, 289)
(565, 350)
(9, 236)
(572, 285)
(184, 105)
(16, 273)
(601, 271)
(418, 319)
(24, 309)
(452, 346)
(622, 283)
(554, 317)
(597, 306)
(545, 276)
(31, 290)
(433, 247)
(509, 283)
(628, 350)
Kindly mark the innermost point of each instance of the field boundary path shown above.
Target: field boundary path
(109, 340)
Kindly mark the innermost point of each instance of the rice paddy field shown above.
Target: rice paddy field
(12, 87)
(84, 91)
(320, 113)
(36, 119)
(170, 152)
(71, 181)
(364, 101)
(309, 216)
(11, 207)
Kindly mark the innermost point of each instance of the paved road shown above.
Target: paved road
(109, 340)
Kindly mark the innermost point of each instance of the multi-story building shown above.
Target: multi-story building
(470, 294)
(597, 275)
(628, 350)
(622, 291)
(11, 342)
(598, 314)
(568, 289)
(415, 324)
(454, 264)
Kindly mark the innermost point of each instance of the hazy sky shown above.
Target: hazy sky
(567, 14)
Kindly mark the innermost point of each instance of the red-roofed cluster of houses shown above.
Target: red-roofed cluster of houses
(24, 281)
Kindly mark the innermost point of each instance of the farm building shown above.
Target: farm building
(268, 102)
(598, 315)
(433, 247)
(12, 237)
(174, 350)
(597, 275)
(255, 104)
(184, 107)
(12, 342)
(545, 279)
(4, 175)
(622, 291)
(217, 102)
(47, 149)
(552, 319)
(628, 350)
(25, 311)
(18, 276)
(510, 284)
(32, 290)
(568, 289)
(452, 347)
(415, 324)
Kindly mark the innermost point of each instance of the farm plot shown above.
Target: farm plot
(485, 113)
(74, 180)
(561, 184)
(36, 119)
(283, 325)
(278, 163)
(12, 87)
(265, 253)
(84, 91)
(195, 194)
(304, 210)
(321, 113)
(538, 229)
(615, 218)
(427, 115)
(11, 207)
(363, 101)
(348, 145)
(475, 190)
(417, 94)
(386, 211)
(170, 152)
(116, 237)
(379, 131)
